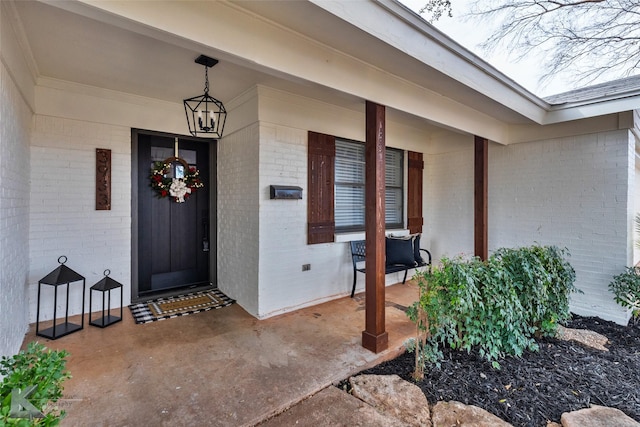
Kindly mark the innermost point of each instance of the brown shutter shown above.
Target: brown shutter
(414, 196)
(480, 197)
(320, 211)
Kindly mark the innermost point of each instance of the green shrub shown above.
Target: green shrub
(40, 367)
(496, 306)
(626, 290)
(543, 279)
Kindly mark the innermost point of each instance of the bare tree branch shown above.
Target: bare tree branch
(435, 9)
(584, 38)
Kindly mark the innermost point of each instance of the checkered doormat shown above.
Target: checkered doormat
(182, 305)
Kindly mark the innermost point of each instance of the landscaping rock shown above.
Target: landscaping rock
(393, 397)
(583, 336)
(331, 408)
(403, 403)
(448, 414)
(597, 416)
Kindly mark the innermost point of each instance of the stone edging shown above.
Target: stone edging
(404, 404)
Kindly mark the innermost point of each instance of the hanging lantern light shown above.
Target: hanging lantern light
(206, 115)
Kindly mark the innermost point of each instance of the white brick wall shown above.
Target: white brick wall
(63, 217)
(283, 230)
(448, 192)
(575, 192)
(283, 233)
(15, 123)
(261, 243)
(238, 216)
(571, 192)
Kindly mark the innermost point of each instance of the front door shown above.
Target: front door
(173, 237)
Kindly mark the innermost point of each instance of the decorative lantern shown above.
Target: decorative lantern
(61, 276)
(106, 285)
(206, 115)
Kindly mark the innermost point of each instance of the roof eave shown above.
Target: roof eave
(618, 103)
(452, 58)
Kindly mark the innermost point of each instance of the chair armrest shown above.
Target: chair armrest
(428, 255)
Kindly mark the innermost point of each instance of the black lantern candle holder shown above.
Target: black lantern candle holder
(106, 285)
(61, 276)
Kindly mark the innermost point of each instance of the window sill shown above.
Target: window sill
(360, 235)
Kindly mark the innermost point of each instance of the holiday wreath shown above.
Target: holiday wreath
(178, 188)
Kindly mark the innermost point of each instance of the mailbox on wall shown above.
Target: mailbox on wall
(285, 192)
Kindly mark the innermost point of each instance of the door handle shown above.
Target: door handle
(205, 235)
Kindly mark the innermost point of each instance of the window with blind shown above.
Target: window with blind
(349, 186)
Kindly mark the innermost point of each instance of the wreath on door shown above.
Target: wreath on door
(177, 188)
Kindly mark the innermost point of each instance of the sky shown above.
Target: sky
(469, 34)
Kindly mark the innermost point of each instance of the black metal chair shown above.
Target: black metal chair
(358, 256)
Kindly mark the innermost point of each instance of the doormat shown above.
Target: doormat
(182, 305)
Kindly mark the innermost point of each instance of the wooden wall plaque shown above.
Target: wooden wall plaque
(103, 179)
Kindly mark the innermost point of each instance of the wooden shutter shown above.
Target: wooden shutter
(414, 193)
(481, 186)
(320, 210)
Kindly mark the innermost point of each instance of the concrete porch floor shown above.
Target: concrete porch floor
(220, 367)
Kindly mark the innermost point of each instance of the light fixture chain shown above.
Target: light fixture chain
(206, 79)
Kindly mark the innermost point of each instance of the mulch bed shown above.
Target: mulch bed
(538, 387)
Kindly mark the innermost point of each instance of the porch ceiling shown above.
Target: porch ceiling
(319, 24)
(71, 47)
(75, 48)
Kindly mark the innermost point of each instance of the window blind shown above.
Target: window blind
(350, 182)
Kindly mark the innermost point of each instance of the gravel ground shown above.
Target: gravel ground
(538, 387)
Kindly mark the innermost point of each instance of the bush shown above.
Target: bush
(40, 367)
(496, 306)
(626, 290)
(543, 279)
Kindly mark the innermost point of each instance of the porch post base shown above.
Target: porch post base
(375, 343)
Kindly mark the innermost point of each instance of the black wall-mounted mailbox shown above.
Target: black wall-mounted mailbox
(285, 192)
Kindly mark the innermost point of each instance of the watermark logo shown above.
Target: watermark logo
(21, 407)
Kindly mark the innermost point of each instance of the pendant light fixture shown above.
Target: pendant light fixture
(206, 115)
